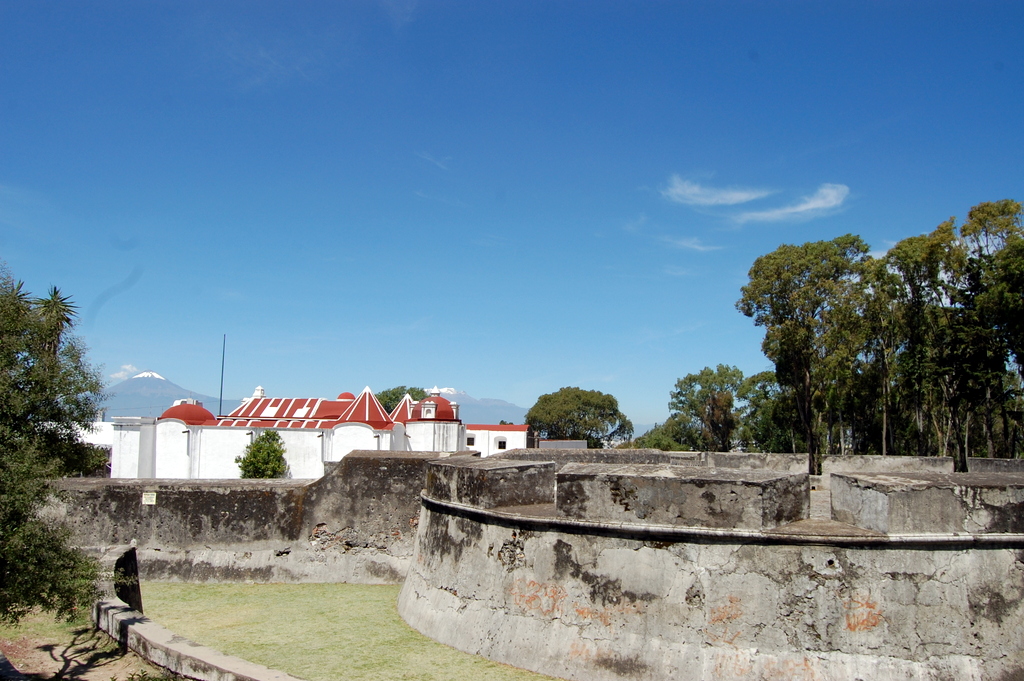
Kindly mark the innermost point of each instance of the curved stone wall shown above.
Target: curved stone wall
(590, 589)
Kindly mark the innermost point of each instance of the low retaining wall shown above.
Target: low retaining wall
(356, 524)
(182, 657)
(620, 597)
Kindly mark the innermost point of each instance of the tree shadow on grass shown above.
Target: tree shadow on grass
(88, 650)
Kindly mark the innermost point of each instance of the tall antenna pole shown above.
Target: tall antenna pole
(223, 349)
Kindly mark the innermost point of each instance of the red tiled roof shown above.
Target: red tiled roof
(192, 414)
(314, 413)
(494, 427)
(403, 410)
(367, 409)
(443, 412)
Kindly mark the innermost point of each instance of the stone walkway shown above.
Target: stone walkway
(821, 504)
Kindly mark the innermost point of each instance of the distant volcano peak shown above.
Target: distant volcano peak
(149, 374)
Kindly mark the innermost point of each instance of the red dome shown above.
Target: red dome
(443, 411)
(192, 414)
(346, 396)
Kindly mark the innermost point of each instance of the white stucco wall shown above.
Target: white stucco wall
(124, 452)
(220, 446)
(486, 441)
(397, 439)
(209, 452)
(436, 436)
(172, 445)
(351, 436)
(304, 452)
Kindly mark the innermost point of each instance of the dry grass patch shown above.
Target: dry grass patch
(42, 648)
(315, 631)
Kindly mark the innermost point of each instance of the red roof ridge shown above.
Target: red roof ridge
(367, 409)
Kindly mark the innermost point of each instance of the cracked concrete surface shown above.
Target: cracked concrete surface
(583, 603)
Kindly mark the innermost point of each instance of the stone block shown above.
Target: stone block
(978, 465)
(491, 482)
(873, 463)
(926, 503)
(682, 496)
(787, 463)
(119, 576)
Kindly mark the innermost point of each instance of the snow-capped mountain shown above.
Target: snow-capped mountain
(150, 394)
(485, 409)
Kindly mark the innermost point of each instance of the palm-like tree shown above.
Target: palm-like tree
(57, 314)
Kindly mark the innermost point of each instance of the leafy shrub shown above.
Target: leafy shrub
(264, 457)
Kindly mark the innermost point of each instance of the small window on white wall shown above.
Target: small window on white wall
(470, 440)
(500, 442)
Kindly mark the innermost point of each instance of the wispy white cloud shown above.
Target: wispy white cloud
(691, 243)
(828, 197)
(676, 271)
(126, 371)
(440, 163)
(693, 194)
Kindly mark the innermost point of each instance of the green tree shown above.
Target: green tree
(768, 417)
(48, 395)
(957, 305)
(390, 398)
(667, 436)
(702, 405)
(575, 414)
(802, 296)
(264, 457)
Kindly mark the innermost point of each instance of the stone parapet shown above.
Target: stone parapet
(862, 463)
(789, 463)
(675, 495)
(995, 465)
(911, 503)
(491, 482)
(562, 457)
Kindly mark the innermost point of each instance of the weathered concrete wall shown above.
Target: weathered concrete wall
(491, 482)
(356, 524)
(883, 464)
(561, 457)
(995, 465)
(592, 607)
(972, 503)
(677, 495)
(790, 463)
(582, 598)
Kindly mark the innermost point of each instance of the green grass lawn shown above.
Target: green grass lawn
(315, 631)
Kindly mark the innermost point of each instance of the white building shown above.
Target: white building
(491, 439)
(188, 441)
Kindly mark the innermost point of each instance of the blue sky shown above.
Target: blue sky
(502, 197)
